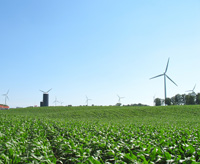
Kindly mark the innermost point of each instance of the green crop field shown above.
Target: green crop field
(95, 135)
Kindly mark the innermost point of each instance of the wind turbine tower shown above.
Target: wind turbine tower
(45, 98)
(6, 96)
(165, 75)
(154, 97)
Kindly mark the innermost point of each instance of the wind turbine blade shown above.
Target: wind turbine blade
(42, 91)
(156, 76)
(194, 87)
(189, 91)
(171, 80)
(49, 90)
(7, 92)
(167, 66)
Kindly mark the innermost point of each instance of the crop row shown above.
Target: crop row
(24, 141)
(28, 140)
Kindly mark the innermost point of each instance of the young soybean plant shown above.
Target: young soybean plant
(100, 135)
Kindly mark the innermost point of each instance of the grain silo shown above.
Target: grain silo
(45, 99)
(41, 103)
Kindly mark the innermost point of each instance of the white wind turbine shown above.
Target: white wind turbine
(87, 99)
(55, 101)
(165, 75)
(6, 96)
(119, 98)
(192, 93)
(61, 103)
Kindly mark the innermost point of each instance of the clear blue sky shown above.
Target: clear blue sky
(97, 48)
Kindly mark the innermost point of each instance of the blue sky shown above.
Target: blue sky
(97, 48)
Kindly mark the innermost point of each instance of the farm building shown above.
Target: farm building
(4, 107)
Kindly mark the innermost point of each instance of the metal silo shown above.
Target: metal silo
(41, 103)
(45, 99)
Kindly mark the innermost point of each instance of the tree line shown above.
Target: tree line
(179, 99)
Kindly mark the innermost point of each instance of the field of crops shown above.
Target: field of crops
(97, 135)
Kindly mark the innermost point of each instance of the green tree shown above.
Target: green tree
(157, 102)
(167, 101)
(118, 104)
(198, 98)
(183, 101)
(173, 100)
(190, 100)
(178, 99)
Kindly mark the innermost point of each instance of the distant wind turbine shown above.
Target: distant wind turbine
(165, 75)
(192, 92)
(6, 96)
(55, 101)
(61, 103)
(119, 98)
(87, 99)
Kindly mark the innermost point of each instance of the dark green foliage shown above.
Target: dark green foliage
(118, 104)
(157, 102)
(190, 100)
(178, 99)
(198, 98)
(168, 101)
(183, 99)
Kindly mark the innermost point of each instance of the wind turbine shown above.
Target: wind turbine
(192, 91)
(119, 100)
(87, 99)
(61, 103)
(56, 101)
(165, 75)
(6, 96)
